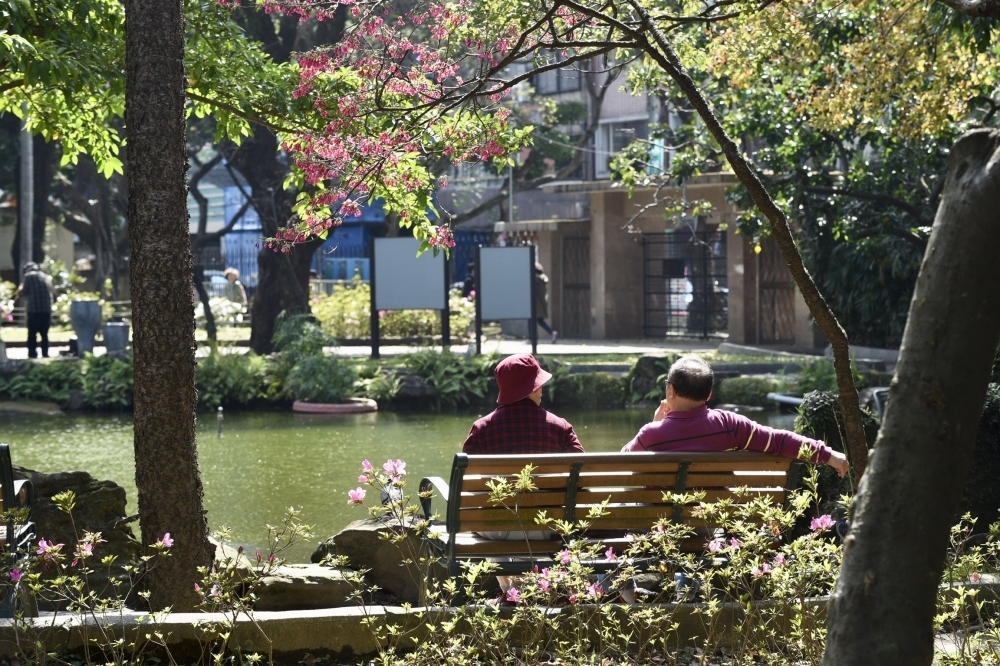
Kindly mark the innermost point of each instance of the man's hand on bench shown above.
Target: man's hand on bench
(838, 461)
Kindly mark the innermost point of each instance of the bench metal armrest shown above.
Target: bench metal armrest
(24, 493)
(432, 483)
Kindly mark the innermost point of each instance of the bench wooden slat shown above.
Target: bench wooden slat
(774, 464)
(556, 499)
(666, 480)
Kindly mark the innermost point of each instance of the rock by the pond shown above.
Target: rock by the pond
(361, 543)
(303, 587)
(415, 387)
(33, 407)
(100, 507)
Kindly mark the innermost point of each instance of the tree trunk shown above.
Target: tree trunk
(282, 279)
(661, 51)
(166, 457)
(883, 607)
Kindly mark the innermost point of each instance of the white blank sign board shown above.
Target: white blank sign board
(404, 281)
(505, 279)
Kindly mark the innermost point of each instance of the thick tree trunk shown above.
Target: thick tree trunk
(282, 279)
(661, 51)
(884, 603)
(166, 456)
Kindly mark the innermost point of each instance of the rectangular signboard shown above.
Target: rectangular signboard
(505, 275)
(404, 281)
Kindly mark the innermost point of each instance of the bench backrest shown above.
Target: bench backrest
(569, 484)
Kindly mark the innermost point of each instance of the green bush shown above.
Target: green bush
(590, 390)
(302, 370)
(346, 315)
(647, 378)
(747, 390)
(49, 382)
(107, 382)
(230, 380)
(459, 381)
(820, 375)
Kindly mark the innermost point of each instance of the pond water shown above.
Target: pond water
(267, 461)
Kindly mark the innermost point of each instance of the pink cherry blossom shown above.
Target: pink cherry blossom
(821, 523)
(356, 496)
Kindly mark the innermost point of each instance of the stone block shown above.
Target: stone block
(304, 587)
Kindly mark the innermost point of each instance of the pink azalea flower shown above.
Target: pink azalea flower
(197, 587)
(215, 591)
(594, 590)
(366, 466)
(362, 479)
(15, 575)
(564, 557)
(779, 559)
(166, 541)
(610, 555)
(257, 555)
(573, 598)
(544, 584)
(715, 545)
(821, 523)
(761, 570)
(513, 595)
(734, 544)
(394, 468)
(356, 496)
(974, 577)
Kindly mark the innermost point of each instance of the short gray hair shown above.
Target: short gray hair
(691, 378)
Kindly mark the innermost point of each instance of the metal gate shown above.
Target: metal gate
(685, 284)
(576, 287)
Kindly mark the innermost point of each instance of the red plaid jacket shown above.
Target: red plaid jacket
(521, 427)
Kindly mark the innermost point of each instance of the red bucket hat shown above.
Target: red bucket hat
(519, 376)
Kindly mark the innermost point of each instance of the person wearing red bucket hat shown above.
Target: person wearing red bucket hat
(519, 424)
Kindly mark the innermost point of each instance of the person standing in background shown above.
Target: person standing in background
(36, 292)
(542, 300)
(233, 290)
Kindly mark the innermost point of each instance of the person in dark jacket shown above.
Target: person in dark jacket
(36, 293)
(542, 301)
(519, 424)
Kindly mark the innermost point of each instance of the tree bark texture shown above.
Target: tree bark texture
(282, 279)
(662, 52)
(166, 475)
(883, 606)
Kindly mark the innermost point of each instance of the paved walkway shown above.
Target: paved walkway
(503, 347)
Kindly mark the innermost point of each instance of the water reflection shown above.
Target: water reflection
(268, 461)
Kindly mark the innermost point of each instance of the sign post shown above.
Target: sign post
(401, 280)
(505, 288)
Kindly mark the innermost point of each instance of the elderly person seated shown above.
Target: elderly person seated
(683, 422)
(519, 424)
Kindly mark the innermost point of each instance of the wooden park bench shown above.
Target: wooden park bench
(569, 484)
(17, 531)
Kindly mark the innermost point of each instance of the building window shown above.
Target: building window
(559, 80)
(613, 136)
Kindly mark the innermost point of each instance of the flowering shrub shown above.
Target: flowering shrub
(7, 291)
(60, 309)
(224, 311)
(346, 315)
(755, 594)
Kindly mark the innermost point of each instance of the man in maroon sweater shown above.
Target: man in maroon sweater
(683, 422)
(519, 424)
